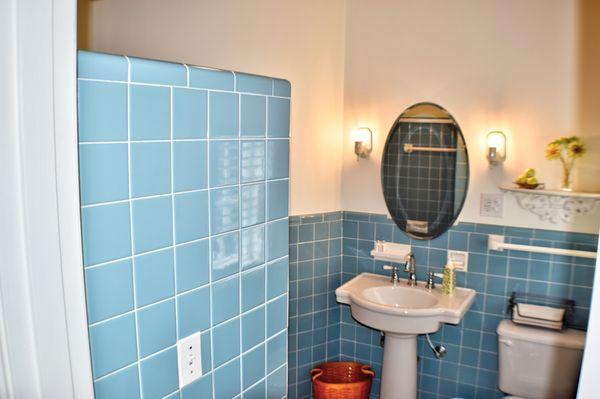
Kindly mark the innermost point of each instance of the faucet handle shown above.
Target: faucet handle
(390, 267)
(430, 280)
(394, 279)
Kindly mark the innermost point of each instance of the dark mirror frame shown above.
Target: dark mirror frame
(395, 217)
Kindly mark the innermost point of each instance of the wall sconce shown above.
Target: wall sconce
(363, 142)
(495, 147)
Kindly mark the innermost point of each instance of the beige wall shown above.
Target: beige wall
(495, 65)
(302, 41)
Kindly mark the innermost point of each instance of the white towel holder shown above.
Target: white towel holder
(496, 243)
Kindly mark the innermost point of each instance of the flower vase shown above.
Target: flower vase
(567, 178)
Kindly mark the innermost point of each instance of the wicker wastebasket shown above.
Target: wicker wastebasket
(341, 380)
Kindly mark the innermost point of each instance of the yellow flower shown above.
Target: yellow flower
(553, 151)
(576, 149)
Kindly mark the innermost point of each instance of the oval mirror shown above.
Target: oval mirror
(425, 171)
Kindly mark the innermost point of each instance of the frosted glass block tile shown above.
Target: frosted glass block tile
(190, 113)
(105, 233)
(103, 173)
(102, 111)
(101, 66)
(150, 112)
(159, 72)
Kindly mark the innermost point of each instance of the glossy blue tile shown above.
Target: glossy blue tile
(101, 66)
(105, 232)
(112, 344)
(190, 113)
(276, 315)
(276, 387)
(191, 216)
(253, 204)
(192, 265)
(193, 311)
(223, 163)
(226, 341)
(277, 239)
(279, 117)
(227, 380)
(211, 78)
(253, 83)
(152, 224)
(225, 300)
(253, 328)
(150, 112)
(224, 209)
(458, 240)
(150, 169)
(101, 111)
(109, 290)
(206, 343)
(156, 327)
(190, 165)
(277, 278)
(223, 114)
(253, 366)
(159, 374)
(103, 173)
(276, 351)
(253, 160)
(154, 277)
(253, 116)
(258, 391)
(253, 288)
(277, 199)
(278, 159)
(225, 255)
(199, 389)
(123, 384)
(253, 247)
(282, 88)
(159, 72)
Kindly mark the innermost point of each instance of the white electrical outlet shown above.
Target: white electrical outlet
(460, 259)
(189, 359)
(492, 205)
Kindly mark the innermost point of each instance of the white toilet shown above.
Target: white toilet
(535, 363)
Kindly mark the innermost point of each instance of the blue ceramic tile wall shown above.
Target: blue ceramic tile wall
(470, 369)
(314, 316)
(184, 194)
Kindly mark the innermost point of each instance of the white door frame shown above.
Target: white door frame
(43, 331)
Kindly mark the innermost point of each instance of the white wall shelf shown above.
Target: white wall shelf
(553, 205)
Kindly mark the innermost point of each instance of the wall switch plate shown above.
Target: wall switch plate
(460, 259)
(492, 205)
(189, 359)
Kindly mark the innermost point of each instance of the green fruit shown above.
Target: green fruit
(532, 181)
(529, 172)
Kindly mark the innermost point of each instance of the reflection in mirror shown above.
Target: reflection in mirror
(425, 171)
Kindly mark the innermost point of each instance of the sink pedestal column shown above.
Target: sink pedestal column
(399, 371)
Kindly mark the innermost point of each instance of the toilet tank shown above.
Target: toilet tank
(537, 363)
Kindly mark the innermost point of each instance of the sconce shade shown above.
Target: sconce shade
(495, 147)
(363, 142)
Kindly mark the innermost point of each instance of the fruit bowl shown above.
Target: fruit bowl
(529, 186)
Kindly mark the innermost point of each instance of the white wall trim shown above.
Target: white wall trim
(43, 334)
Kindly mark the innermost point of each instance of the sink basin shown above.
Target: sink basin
(401, 312)
(400, 297)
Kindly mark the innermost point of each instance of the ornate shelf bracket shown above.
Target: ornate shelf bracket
(554, 206)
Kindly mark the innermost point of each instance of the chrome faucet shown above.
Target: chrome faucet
(394, 278)
(409, 267)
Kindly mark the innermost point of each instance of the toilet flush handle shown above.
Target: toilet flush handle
(506, 342)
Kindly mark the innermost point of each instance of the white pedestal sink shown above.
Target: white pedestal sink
(401, 312)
